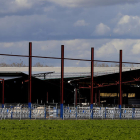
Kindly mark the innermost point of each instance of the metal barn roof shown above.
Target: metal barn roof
(55, 72)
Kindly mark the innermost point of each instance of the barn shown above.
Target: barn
(46, 82)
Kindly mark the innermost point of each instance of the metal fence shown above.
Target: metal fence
(51, 112)
(101, 113)
(27, 113)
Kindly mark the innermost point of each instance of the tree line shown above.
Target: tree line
(38, 64)
(21, 64)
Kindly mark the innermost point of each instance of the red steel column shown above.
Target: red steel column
(30, 74)
(3, 93)
(62, 76)
(120, 104)
(92, 72)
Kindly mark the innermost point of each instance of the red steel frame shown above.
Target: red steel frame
(62, 72)
(110, 84)
(62, 84)
(120, 83)
(92, 75)
(30, 73)
(92, 72)
(68, 58)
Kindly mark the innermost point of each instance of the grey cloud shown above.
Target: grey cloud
(13, 6)
(24, 27)
(91, 3)
(45, 20)
(23, 7)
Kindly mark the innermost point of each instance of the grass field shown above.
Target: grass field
(70, 129)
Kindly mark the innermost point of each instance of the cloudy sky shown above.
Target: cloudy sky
(106, 25)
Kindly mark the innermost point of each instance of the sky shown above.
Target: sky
(106, 25)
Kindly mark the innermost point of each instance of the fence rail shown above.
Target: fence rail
(69, 113)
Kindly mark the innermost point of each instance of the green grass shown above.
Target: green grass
(70, 129)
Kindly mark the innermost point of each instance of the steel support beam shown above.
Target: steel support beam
(109, 84)
(30, 78)
(62, 76)
(120, 82)
(92, 72)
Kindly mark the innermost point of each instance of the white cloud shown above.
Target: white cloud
(136, 49)
(102, 29)
(128, 25)
(23, 3)
(124, 20)
(112, 47)
(7, 45)
(80, 23)
(106, 49)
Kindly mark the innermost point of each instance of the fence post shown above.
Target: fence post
(114, 112)
(89, 113)
(49, 112)
(120, 112)
(133, 113)
(100, 111)
(93, 112)
(76, 112)
(35, 112)
(20, 113)
(105, 112)
(4, 113)
(1, 113)
(57, 112)
(11, 113)
(63, 113)
(45, 112)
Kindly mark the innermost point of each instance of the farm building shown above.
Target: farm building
(46, 85)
